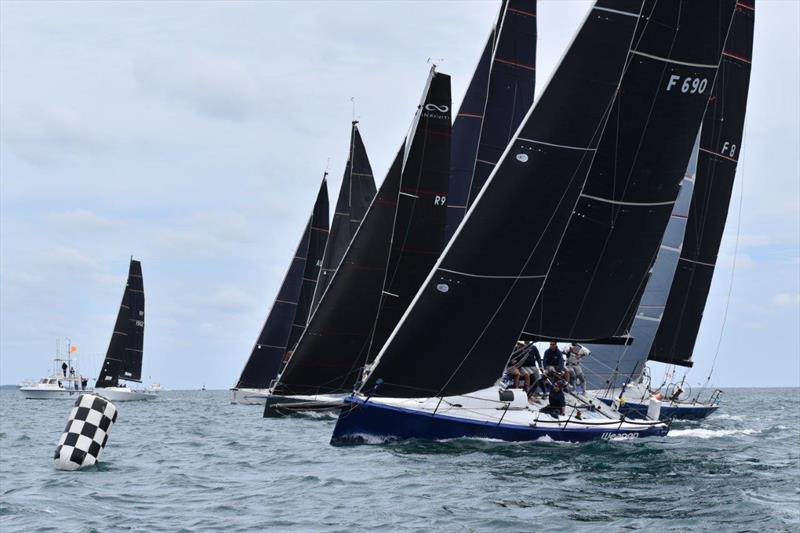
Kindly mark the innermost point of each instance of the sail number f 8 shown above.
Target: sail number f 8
(687, 85)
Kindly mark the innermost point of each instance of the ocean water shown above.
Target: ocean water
(191, 460)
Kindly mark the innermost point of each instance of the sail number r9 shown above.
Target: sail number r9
(688, 85)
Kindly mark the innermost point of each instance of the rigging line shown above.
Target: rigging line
(596, 136)
(733, 267)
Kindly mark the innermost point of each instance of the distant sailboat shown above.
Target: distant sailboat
(287, 317)
(667, 322)
(123, 360)
(558, 239)
(391, 253)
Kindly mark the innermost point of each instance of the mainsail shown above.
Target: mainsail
(124, 356)
(497, 98)
(355, 195)
(272, 342)
(582, 193)
(611, 366)
(317, 239)
(394, 248)
(511, 87)
(720, 146)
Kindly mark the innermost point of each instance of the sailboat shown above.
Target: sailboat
(558, 240)
(398, 241)
(123, 360)
(289, 312)
(668, 319)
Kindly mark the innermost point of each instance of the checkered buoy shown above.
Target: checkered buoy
(86, 433)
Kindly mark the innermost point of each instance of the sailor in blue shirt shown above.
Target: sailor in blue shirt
(553, 357)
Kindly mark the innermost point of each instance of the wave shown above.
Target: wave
(702, 433)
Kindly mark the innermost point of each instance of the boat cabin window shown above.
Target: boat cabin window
(43, 380)
(52, 382)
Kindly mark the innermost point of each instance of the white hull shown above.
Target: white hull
(38, 393)
(249, 396)
(124, 394)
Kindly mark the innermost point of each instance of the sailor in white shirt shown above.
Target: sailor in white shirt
(575, 354)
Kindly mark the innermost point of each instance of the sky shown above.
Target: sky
(193, 136)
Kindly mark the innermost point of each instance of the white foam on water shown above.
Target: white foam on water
(726, 416)
(701, 433)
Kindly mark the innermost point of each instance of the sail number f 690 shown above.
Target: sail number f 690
(689, 84)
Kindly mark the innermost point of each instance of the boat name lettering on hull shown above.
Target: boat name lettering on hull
(619, 436)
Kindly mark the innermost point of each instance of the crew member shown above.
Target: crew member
(575, 354)
(527, 366)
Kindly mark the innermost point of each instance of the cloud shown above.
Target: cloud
(216, 87)
(46, 135)
(785, 299)
(231, 300)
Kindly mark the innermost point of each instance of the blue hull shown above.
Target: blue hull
(674, 412)
(359, 420)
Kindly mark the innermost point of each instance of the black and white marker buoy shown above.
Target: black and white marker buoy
(86, 433)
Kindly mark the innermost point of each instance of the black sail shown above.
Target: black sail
(500, 93)
(355, 195)
(317, 239)
(720, 143)
(271, 345)
(466, 134)
(124, 356)
(394, 248)
(325, 357)
(596, 278)
(511, 87)
(419, 226)
(613, 84)
(264, 362)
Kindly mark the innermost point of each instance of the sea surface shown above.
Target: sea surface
(191, 460)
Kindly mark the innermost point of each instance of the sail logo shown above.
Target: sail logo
(442, 287)
(439, 108)
(140, 323)
(619, 436)
(522, 158)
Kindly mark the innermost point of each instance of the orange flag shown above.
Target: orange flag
(73, 349)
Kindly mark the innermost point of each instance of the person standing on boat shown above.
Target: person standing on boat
(575, 354)
(64, 369)
(84, 381)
